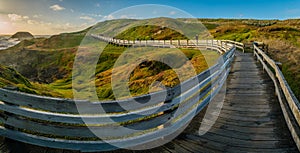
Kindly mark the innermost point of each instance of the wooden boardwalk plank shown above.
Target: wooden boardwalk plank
(251, 119)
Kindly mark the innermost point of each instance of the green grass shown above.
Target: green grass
(283, 38)
(150, 32)
(149, 71)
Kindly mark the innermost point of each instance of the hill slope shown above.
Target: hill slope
(48, 63)
(22, 35)
(282, 37)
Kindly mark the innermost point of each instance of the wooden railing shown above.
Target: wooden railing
(237, 44)
(289, 104)
(56, 123)
(218, 45)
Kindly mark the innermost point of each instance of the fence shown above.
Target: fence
(56, 123)
(289, 104)
(218, 45)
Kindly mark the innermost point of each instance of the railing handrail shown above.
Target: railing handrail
(219, 45)
(291, 110)
(29, 112)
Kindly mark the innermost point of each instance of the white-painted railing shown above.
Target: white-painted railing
(218, 45)
(56, 123)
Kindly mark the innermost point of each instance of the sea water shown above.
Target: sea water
(6, 42)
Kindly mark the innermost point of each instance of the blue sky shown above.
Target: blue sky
(56, 16)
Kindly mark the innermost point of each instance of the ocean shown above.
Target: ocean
(6, 42)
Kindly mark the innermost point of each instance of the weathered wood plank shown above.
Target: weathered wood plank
(293, 121)
(250, 118)
(85, 132)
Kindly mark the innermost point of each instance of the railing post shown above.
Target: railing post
(221, 44)
(187, 43)
(279, 65)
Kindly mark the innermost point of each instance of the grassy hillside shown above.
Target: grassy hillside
(283, 38)
(44, 60)
(188, 28)
(48, 63)
(10, 78)
(149, 71)
(150, 32)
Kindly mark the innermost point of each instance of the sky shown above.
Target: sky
(47, 17)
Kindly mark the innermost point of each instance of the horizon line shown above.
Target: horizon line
(204, 18)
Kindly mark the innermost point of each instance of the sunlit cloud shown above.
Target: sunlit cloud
(128, 16)
(87, 18)
(109, 17)
(37, 16)
(32, 22)
(57, 7)
(16, 17)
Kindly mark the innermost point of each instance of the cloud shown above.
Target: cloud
(32, 22)
(98, 5)
(72, 10)
(39, 23)
(67, 27)
(129, 16)
(37, 16)
(172, 13)
(109, 17)
(124, 17)
(57, 7)
(91, 14)
(17, 17)
(87, 18)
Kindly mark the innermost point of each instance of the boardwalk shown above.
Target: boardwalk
(250, 120)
